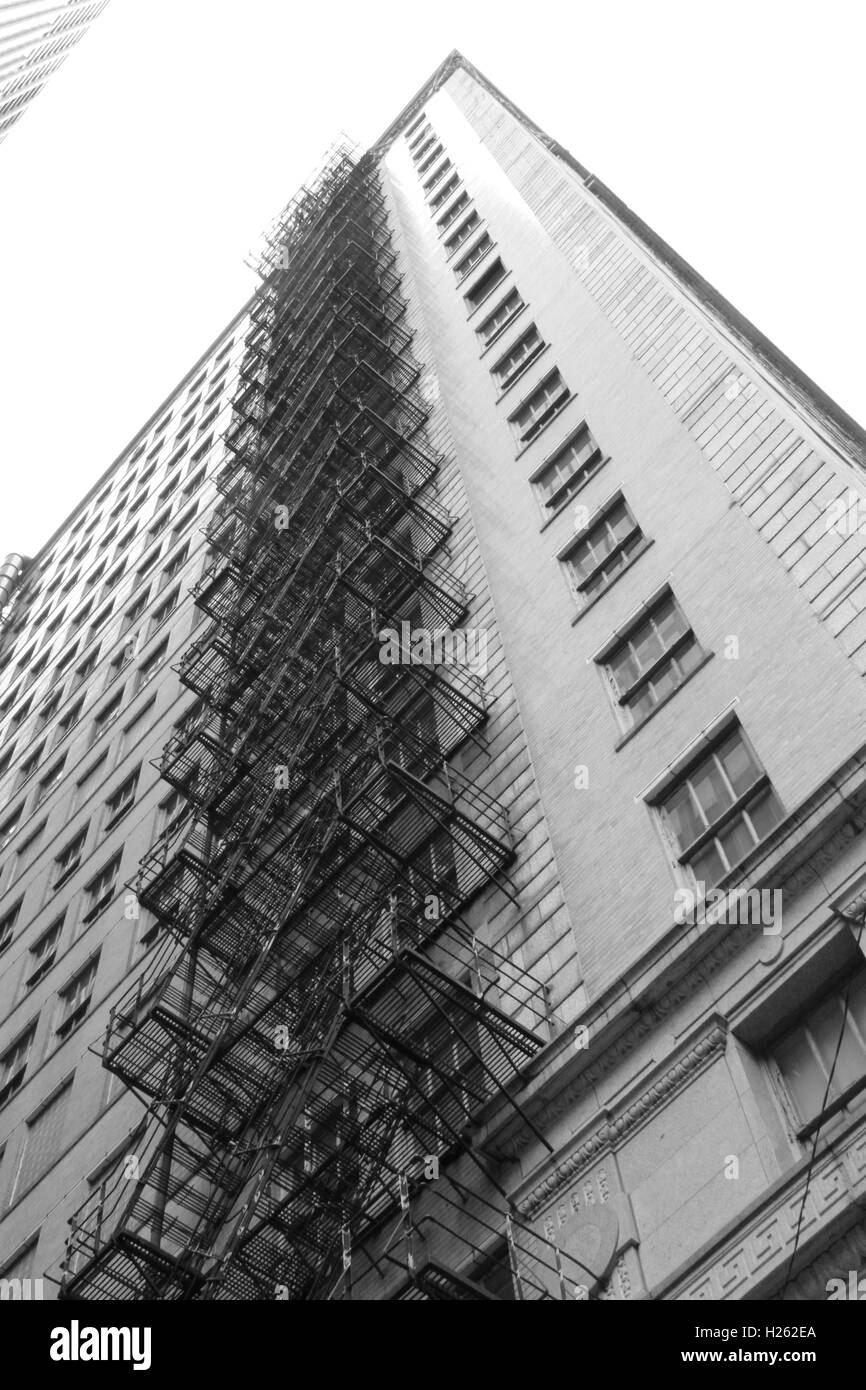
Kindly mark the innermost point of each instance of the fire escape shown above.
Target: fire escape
(320, 1028)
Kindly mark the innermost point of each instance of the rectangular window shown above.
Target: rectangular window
(28, 851)
(73, 1001)
(133, 613)
(175, 564)
(453, 212)
(121, 799)
(571, 467)
(422, 149)
(145, 568)
(166, 608)
(539, 408)
(152, 665)
(437, 175)
(42, 955)
(463, 233)
(444, 193)
(70, 718)
(86, 668)
(159, 524)
(822, 1061)
(8, 923)
(430, 159)
(647, 664)
(517, 358)
(29, 766)
(43, 1141)
(603, 549)
(9, 826)
(47, 784)
(99, 892)
(720, 809)
(493, 276)
(68, 860)
(183, 522)
(106, 717)
(13, 1063)
(473, 257)
(418, 122)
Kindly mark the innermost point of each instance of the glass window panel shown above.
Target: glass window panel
(647, 645)
(709, 788)
(624, 669)
(857, 1003)
(708, 866)
(826, 1026)
(619, 521)
(683, 816)
(736, 839)
(687, 658)
(670, 622)
(803, 1076)
(764, 813)
(738, 763)
(664, 681)
(641, 703)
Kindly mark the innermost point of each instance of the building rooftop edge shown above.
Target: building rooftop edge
(842, 427)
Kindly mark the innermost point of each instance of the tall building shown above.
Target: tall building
(454, 850)
(35, 39)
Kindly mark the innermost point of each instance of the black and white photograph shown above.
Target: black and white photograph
(432, 656)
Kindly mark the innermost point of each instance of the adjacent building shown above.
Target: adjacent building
(434, 786)
(35, 38)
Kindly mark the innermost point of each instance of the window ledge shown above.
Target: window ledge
(489, 295)
(501, 331)
(648, 541)
(454, 191)
(467, 274)
(480, 226)
(524, 448)
(521, 372)
(566, 501)
(629, 735)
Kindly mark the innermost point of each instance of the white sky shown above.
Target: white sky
(145, 169)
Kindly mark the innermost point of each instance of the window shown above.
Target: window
(9, 826)
(108, 538)
(68, 859)
(144, 569)
(171, 809)
(106, 717)
(429, 160)
(13, 1064)
(444, 193)
(100, 619)
(166, 608)
(42, 955)
(463, 233)
(175, 564)
(517, 358)
(453, 212)
(603, 549)
(6, 761)
(100, 891)
(175, 458)
(21, 714)
(419, 120)
(200, 452)
(486, 285)
(183, 522)
(86, 668)
(64, 662)
(7, 924)
(28, 851)
(29, 766)
(818, 1082)
(159, 524)
(50, 781)
(436, 175)
(539, 408)
(422, 149)
(95, 576)
(194, 483)
(82, 615)
(49, 709)
(74, 1000)
(24, 1263)
(149, 668)
(134, 613)
(651, 660)
(571, 467)
(70, 718)
(719, 809)
(205, 424)
(121, 799)
(43, 1140)
(473, 257)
